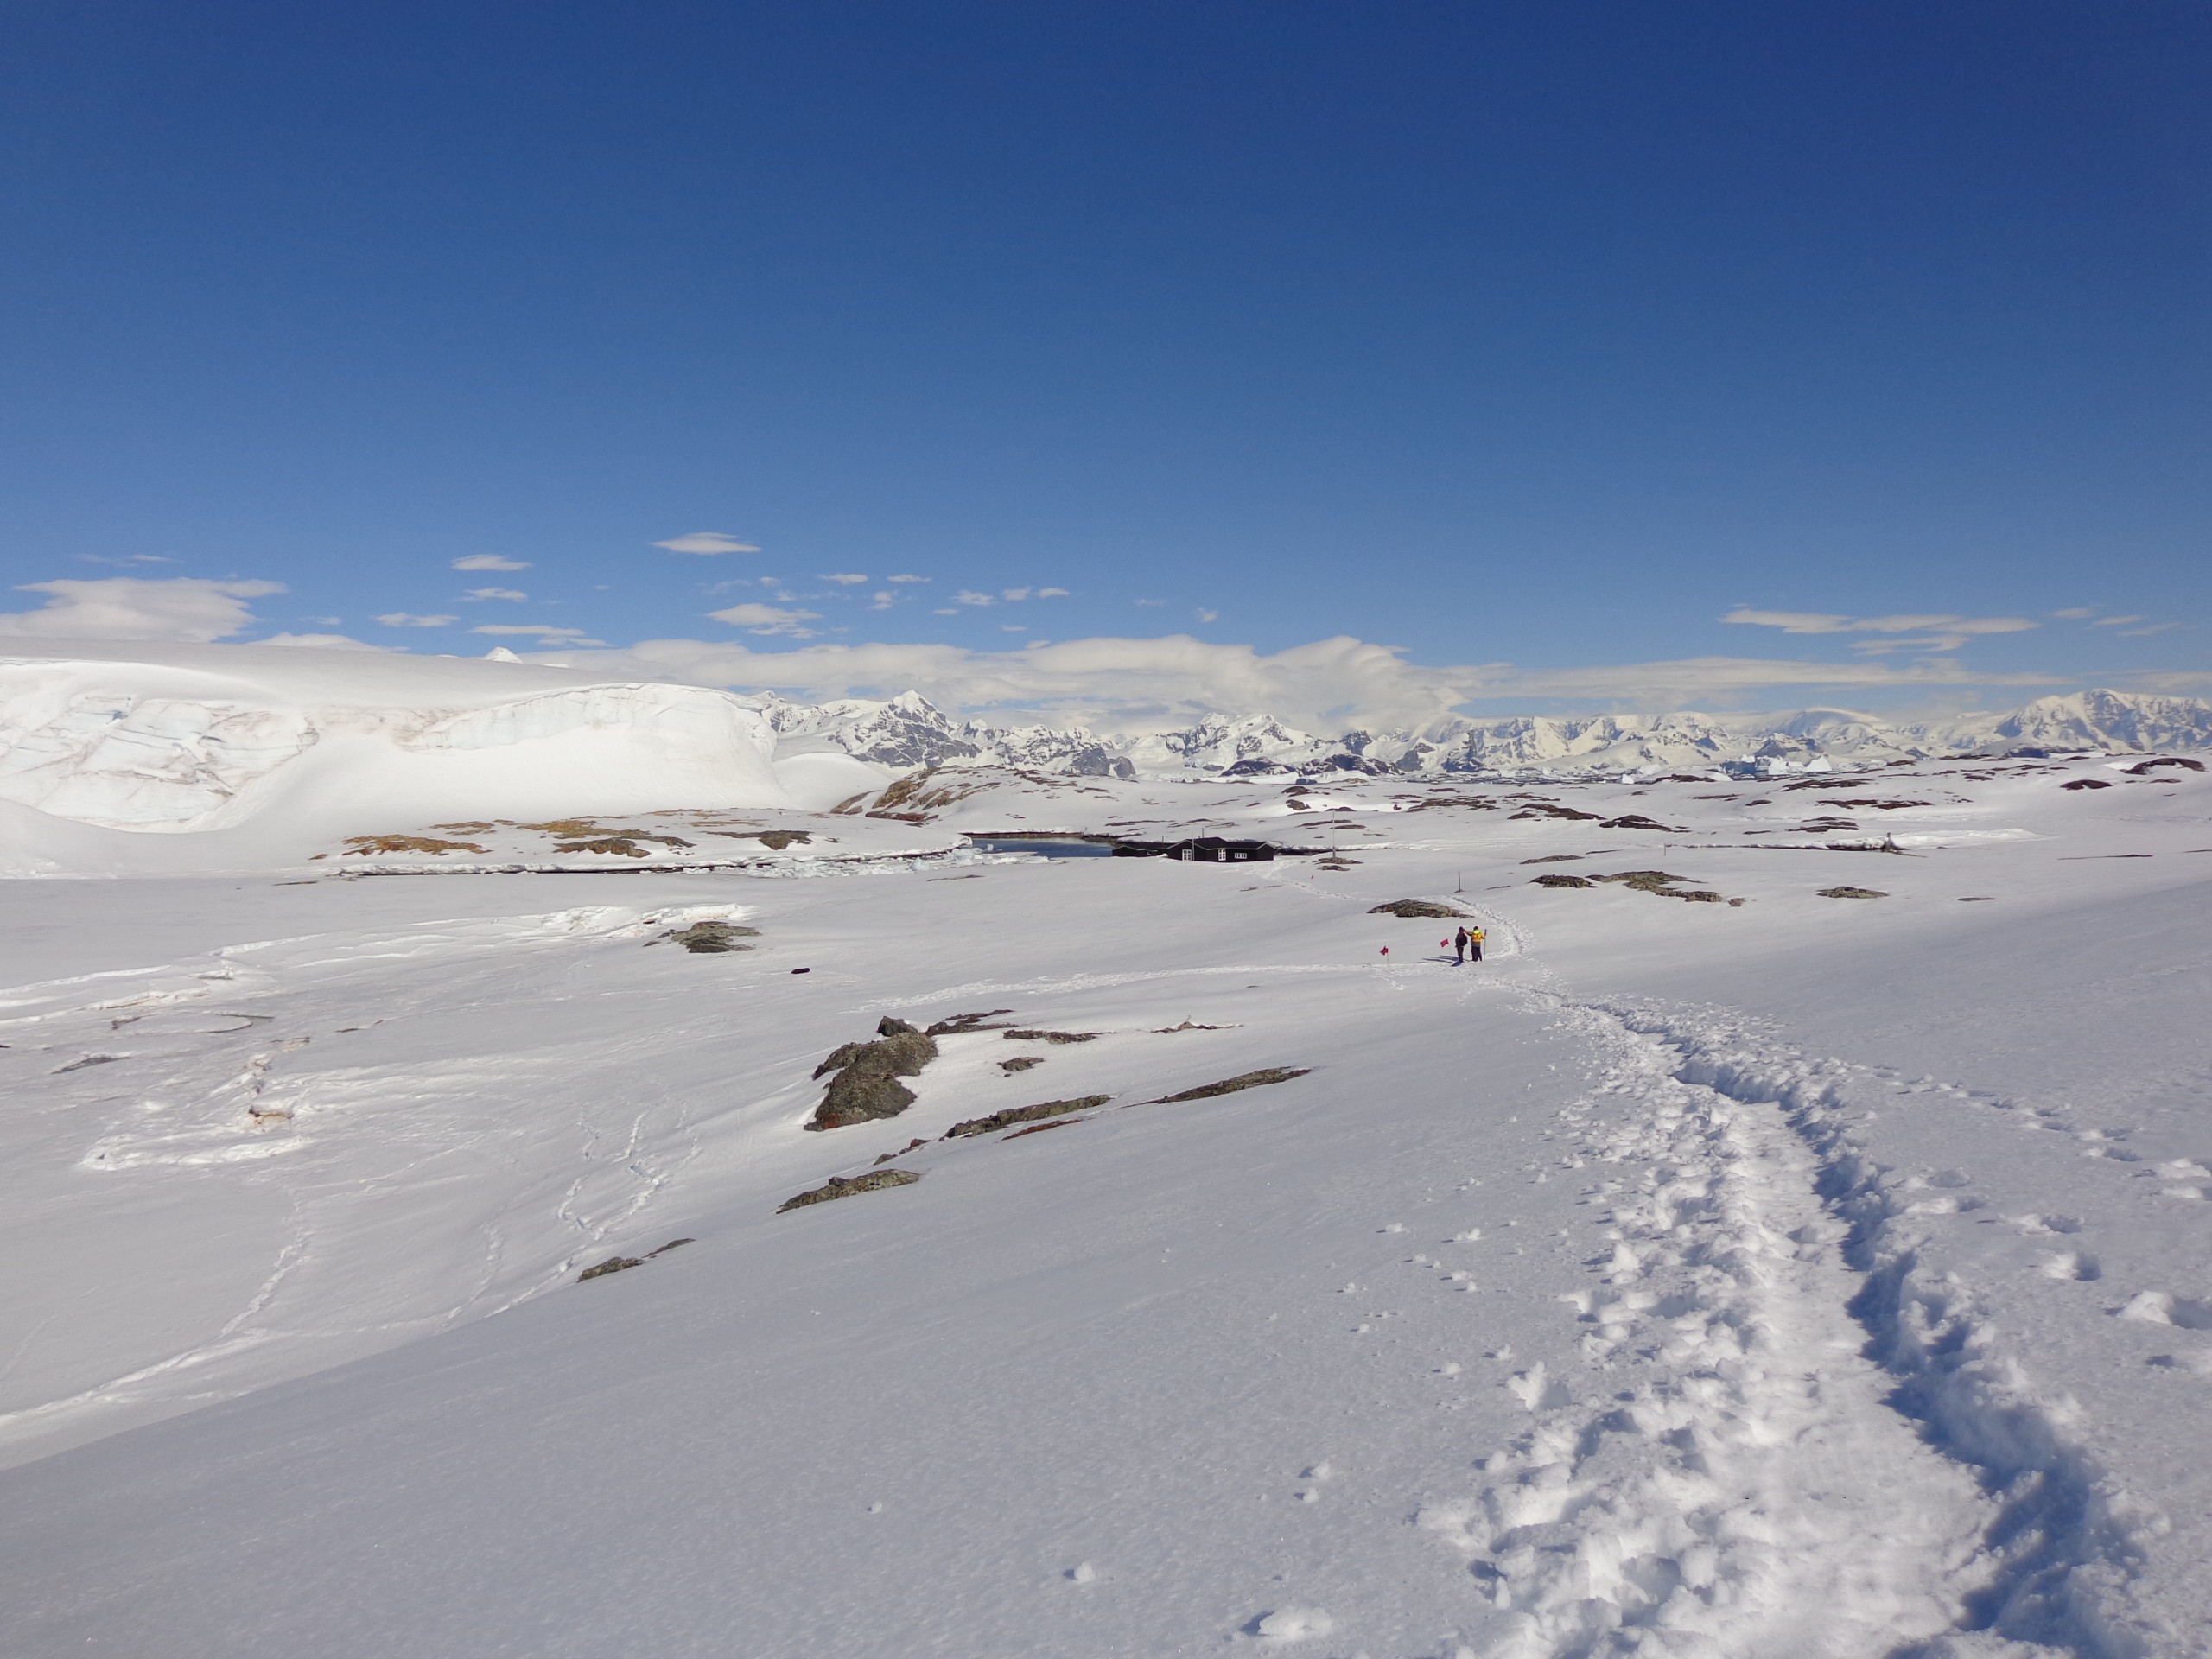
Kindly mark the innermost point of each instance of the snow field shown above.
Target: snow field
(1812, 1276)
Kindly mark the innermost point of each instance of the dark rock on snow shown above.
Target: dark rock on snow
(867, 1083)
(843, 1186)
(1012, 1115)
(1230, 1085)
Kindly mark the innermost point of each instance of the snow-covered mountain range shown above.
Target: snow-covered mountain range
(908, 731)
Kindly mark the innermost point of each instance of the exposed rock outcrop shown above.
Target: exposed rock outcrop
(866, 1085)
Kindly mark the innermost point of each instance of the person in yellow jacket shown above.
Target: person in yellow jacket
(1468, 941)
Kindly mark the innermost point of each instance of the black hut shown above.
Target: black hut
(1199, 849)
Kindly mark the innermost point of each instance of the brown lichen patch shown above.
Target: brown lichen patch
(623, 1263)
(363, 845)
(1852, 892)
(1052, 1036)
(476, 828)
(1020, 1063)
(844, 1186)
(1565, 881)
(1414, 909)
(711, 939)
(624, 846)
(774, 839)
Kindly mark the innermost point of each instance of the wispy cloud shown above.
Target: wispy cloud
(905, 578)
(320, 642)
(1205, 615)
(125, 559)
(495, 592)
(2073, 613)
(1932, 631)
(1014, 596)
(769, 619)
(1690, 681)
(844, 577)
(970, 596)
(490, 562)
(184, 609)
(2144, 634)
(2115, 621)
(1052, 593)
(545, 631)
(882, 601)
(707, 542)
(408, 620)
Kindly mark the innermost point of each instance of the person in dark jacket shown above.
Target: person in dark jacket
(1460, 947)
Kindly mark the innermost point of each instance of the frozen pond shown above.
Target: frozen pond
(1043, 847)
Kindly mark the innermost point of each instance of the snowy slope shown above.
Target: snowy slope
(1809, 1275)
(257, 749)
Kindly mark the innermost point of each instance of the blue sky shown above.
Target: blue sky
(1536, 338)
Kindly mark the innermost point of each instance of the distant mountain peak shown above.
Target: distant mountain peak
(909, 731)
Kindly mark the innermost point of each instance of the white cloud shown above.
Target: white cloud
(970, 596)
(1137, 684)
(905, 578)
(1150, 603)
(705, 542)
(1014, 596)
(768, 619)
(845, 577)
(545, 631)
(1209, 616)
(490, 562)
(1013, 627)
(1052, 593)
(185, 609)
(126, 559)
(2073, 613)
(2115, 621)
(495, 592)
(946, 610)
(1115, 684)
(882, 601)
(404, 619)
(1937, 631)
(2144, 634)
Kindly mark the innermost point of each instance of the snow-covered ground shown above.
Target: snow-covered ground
(1807, 1275)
